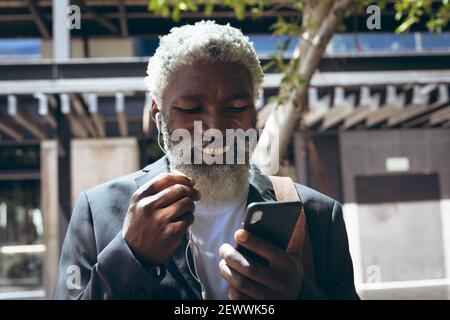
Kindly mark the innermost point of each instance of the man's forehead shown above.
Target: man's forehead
(238, 94)
(195, 82)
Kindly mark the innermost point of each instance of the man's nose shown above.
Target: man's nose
(214, 121)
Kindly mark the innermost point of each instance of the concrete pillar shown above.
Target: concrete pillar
(49, 203)
(61, 33)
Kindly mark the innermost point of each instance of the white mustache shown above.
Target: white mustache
(211, 150)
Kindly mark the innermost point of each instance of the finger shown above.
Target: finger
(277, 258)
(250, 268)
(179, 227)
(242, 283)
(175, 211)
(234, 294)
(161, 182)
(174, 193)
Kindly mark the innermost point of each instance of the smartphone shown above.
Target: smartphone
(272, 221)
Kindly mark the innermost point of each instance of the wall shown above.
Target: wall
(403, 242)
(98, 48)
(95, 161)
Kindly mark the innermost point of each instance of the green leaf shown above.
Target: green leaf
(176, 13)
(153, 5)
(209, 8)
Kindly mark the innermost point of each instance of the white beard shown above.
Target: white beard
(217, 183)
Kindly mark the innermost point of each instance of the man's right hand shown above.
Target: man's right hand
(159, 214)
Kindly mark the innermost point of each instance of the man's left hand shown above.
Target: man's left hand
(249, 279)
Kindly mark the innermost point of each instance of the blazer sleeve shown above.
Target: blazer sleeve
(338, 279)
(112, 273)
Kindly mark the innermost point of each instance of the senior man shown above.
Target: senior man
(170, 230)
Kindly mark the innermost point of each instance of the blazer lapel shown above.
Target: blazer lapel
(152, 170)
(261, 188)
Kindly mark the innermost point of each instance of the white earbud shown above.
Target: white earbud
(158, 126)
(157, 120)
(193, 273)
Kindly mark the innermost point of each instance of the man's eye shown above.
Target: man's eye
(189, 110)
(237, 109)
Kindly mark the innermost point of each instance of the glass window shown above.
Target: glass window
(436, 42)
(20, 48)
(21, 222)
(375, 42)
(267, 44)
(387, 42)
(21, 236)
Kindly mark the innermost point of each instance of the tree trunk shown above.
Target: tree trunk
(283, 119)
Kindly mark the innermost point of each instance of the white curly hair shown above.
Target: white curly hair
(205, 40)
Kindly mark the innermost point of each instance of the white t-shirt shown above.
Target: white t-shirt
(212, 227)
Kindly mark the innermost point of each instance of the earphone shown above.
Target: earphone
(195, 276)
(157, 120)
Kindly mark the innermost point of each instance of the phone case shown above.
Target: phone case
(273, 221)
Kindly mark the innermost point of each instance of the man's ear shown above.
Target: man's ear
(154, 110)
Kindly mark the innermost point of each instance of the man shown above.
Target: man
(170, 230)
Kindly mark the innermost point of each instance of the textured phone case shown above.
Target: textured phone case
(275, 225)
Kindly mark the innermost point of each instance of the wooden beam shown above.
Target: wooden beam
(367, 105)
(342, 107)
(317, 108)
(78, 106)
(44, 111)
(38, 19)
(10, 131)
(418, 116)
(419, 103)
(95, 114)
(440, 116)
(76, 128)
(100, 19)
(53, 102)
(394, 104)
(123, 18)
(25, 121)
(322, 79)
(120, 112)
(423, 120)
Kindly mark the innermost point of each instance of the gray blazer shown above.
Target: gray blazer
(96, 262)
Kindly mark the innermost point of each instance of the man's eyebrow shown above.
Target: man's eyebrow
(192, 97)
(240, 96)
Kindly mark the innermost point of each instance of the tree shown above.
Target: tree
(320, 19)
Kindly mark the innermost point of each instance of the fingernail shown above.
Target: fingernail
(241, 236)
(221, 250)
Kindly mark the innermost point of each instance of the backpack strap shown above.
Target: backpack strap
(285, 190)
